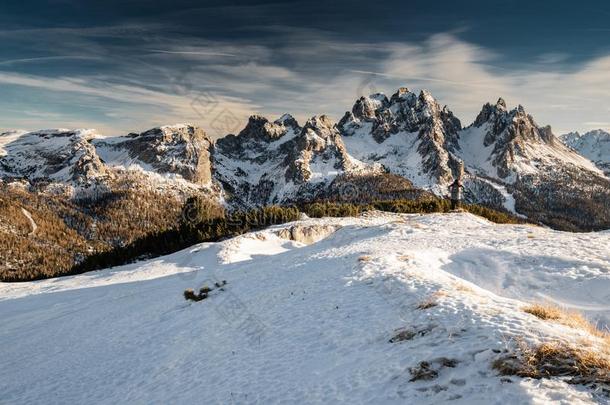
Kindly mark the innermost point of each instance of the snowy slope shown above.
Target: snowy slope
(308, 324)
(398, 152)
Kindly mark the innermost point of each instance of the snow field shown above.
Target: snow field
(309, 324)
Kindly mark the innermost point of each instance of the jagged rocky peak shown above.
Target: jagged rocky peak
(54, 155)
(517, 143)
(367, 107)
(577, 140)
(490, 112)
(318, 134)
(253, 141)
(319, 144)
(288, 121)
(428, 132)
(182, 149)
(515, 126)
(404, 111)
(261, 129)
(321, 126)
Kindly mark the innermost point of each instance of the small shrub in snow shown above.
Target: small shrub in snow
(190, 295)
(429, 303)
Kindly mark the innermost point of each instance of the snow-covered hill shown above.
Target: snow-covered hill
(300, 323)
(594, 145)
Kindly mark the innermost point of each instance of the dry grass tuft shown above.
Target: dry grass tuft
(429, 303)
(557, 359)
(403, 335)
(423, 371)
(463, 287)
(572, 319)
(587, 362)
(544, 312)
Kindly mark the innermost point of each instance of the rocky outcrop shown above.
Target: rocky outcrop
(251, 166)
(307, 234)
(506, 144)
(319, 152)
(182, 150)
(403, 146)
(537, 175)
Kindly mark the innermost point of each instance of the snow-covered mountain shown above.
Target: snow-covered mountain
(594, 145)
(182, 150)
(280, 161)
(57, 155)
(386, 309)
(174, 158)
(505, 145)
(410, 135)
(511, 162)
(531, 169)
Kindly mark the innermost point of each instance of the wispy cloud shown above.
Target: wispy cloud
(179, 79)
(45, 59)
(193, 53)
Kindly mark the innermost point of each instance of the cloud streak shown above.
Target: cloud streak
(319, 74)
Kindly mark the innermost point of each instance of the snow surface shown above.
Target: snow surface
(398, 153)
(308, 324)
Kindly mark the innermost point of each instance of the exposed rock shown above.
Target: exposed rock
(307, 234)
(383, 148)
(285, 163)
(177, 149)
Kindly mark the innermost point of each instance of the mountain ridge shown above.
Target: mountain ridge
(506, 156)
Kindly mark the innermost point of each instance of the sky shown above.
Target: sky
(128, 65)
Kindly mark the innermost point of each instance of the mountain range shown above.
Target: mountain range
(510, 161)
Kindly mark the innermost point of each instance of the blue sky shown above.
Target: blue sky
(122, 66)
